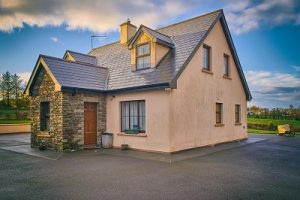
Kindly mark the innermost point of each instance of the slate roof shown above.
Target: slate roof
(84, 58)
(77, 75)
(185, 36)
(115, 59)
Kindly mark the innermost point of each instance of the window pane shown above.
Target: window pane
(205, 58)
(226, 66)
(125, 115)
(133, 115)
(143, 62)
(44, 116)
(142, 115)
(146, 61)
(146, 48)
(219, 113)
(139, 63)
(237, 113)
(143, 49)
(139, 50)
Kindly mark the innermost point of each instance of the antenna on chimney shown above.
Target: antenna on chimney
(96, 36)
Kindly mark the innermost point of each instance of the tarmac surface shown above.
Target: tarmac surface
(268, 167)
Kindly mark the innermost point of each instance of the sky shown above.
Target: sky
(266, 34)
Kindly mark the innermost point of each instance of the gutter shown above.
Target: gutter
(75, 90)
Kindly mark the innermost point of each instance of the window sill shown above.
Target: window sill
(133, 135)
(44, 134)
(141, 69)
(219, 125)
(227, 77)
(207, 71)
(238, 124)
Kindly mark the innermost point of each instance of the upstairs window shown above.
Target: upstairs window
(206, 57)
(226, 65)
(237, 114)
(133, 115)
(219, 113)
(44, 116)
(143, 56)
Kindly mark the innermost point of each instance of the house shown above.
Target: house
(175, 88)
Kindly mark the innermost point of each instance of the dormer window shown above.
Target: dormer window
(143, 56)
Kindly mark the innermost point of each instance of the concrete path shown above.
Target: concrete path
(182, 155)
(20, 143)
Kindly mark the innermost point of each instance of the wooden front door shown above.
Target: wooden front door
(90, 123)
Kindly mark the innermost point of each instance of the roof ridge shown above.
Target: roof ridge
(105, 45)
(156, 31)
(219, 10)
(80, 53)
(76, 62)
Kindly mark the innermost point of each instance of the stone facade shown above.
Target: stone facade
(73, 117)
(43, 91)
(66, 115)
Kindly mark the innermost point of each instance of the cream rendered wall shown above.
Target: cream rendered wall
(192, 104)
(157, 120)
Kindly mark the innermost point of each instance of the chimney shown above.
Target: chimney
(127, 31)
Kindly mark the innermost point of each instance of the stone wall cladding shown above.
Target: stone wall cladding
(73, 117)
(44, 90)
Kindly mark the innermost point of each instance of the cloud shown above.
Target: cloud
(103, 16)
(24, 76)
(54, 39)
(296, 68)
(98, 16)
(245, 16)
(272, 89)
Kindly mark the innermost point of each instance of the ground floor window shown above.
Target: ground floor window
(44, 116)
(237, 114)
(133, 115)
(219, 113)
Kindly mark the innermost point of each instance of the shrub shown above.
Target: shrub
(268, 126)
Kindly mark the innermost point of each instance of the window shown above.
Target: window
(133, 115)
(44, 116)
(237, 114)
(226, 65)
(206, 57)
(143, 56)
(219, 113)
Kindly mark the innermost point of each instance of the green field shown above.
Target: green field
(295, 123)
(14, 121)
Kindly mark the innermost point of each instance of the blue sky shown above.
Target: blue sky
(265, 33)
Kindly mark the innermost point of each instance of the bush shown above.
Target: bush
(268, 126)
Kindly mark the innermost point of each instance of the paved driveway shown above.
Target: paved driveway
(268, 169)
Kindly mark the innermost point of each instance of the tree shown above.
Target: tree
(16, 87)
(6, 87)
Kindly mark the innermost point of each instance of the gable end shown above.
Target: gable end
(222, 19)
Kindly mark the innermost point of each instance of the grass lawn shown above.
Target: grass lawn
(275, 122)
(14, 121)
